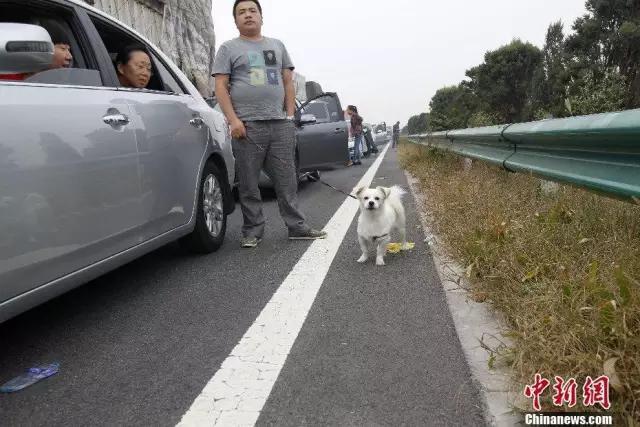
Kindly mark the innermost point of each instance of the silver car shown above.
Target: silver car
(92, 174)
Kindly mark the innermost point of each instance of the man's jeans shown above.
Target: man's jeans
(270, 145)
(357, 144)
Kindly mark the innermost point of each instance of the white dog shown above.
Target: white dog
(381, 211)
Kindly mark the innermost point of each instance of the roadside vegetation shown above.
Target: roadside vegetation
(562, 266)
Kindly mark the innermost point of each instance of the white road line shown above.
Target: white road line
(238, 391)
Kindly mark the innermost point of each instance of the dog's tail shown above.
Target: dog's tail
(397, 192)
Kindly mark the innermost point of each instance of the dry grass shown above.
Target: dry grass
(563, 268)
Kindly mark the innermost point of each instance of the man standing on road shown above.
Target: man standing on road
(396, 134)
(254, 86)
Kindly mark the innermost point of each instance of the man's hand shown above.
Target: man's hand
(237, 129)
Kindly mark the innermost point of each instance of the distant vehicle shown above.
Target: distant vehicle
(94, 174)
(380, 134)
(321, 135)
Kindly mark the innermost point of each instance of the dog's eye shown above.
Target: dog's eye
(377, 198)
(366, 198)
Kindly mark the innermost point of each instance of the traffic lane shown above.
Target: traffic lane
(137, 345)
(379, 346)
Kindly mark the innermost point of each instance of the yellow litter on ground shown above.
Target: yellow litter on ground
(394, 248)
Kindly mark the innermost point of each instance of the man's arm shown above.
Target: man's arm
(289, 92)
(224, 99)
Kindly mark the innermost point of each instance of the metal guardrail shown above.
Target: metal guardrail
(600, 152)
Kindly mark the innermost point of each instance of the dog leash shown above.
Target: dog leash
(312, 178)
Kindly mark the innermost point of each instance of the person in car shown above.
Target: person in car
(255, 89)
(62, 57)
(133, 65)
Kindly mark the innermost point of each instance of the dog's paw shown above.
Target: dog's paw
(363, 259)
(380, 261)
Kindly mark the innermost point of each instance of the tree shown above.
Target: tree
(503, 82)
(556, 79)
(606, 40)
(451, 107)
(418, 124)
(604, 94)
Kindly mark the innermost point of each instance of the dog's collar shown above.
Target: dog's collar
(374, 238)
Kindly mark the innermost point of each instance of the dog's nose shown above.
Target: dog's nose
(371, 203)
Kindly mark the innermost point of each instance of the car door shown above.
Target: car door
(171, 135)
(323, 143)
(69, 187)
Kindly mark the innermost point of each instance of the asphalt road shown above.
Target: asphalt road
(138, 345)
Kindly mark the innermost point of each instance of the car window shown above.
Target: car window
(71, 64)
(167, 78)
(115, 39)
(332, 110)
(319, 110)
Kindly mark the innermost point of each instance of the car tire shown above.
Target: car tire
(211, 219)
(313, 176)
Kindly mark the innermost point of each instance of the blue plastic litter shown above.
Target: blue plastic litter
(32, 376)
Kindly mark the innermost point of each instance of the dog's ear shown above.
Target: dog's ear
(359, 190)
(386, 191)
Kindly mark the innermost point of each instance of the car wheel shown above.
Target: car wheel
(313, 176)
(211, 220)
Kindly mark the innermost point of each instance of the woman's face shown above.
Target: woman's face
(137, 72)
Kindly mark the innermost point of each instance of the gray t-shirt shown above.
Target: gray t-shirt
(255, 76)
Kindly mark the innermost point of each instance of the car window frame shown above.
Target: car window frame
(333, 96)
(76, 24)
(156, 57)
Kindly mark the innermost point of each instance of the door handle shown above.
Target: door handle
(116, 119)
(339, 131)
(196, 122)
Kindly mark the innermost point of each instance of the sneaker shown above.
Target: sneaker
(250, 242)
(309, 234)
(349, 163)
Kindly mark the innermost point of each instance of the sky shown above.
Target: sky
(389, 58)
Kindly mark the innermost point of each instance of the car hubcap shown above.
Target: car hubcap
(213, 205)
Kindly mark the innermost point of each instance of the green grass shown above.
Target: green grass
(562, 267)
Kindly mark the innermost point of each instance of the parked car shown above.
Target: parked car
(380, 135)
(93, 174)
(321, 135)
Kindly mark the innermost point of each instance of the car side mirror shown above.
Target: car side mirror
(306, 119)
(24, 48)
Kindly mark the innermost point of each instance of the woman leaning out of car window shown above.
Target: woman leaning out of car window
(134, 66)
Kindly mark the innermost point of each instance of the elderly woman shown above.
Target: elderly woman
(134, 66)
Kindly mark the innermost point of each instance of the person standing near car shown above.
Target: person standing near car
(396, 134)
(356, 131)
(255, 89)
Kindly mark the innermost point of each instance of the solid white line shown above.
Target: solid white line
(239, 389)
